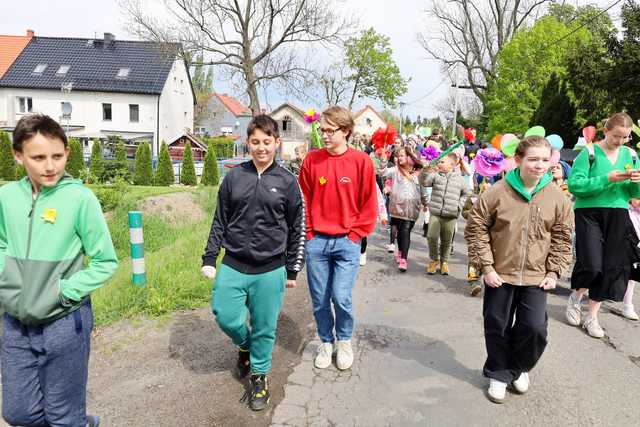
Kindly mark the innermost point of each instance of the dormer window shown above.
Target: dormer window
(62, 71)
(123, 73)
(40, 68)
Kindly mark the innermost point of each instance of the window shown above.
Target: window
(25, 105)
(106, 112)
(123, 73)
(200, 130)
(40, 68)
(134, 113)
(368, 122)
(62, 70)
(65, 107)
(287, 125)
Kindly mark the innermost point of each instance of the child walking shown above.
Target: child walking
(260, 222)
(44, 287)
(404, 202)
(449, 194)
(519, 235)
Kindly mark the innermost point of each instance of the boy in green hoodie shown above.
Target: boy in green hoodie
(48, 223)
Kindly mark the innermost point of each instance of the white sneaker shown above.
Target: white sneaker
(521, 384)
(344, 359)
(497, 390)
(363, 259)
(391, 248)
(629, 312)
(593, 327)
(574, 310)
(324, 355)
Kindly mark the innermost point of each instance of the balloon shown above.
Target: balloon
(509, 147)
(509, 164)
(424, 131)
(495, 141)
(506, 138)
(589, 133)
(470, 134)
(535, 131)
(556, 141)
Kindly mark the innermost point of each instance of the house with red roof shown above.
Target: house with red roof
(223, 115)
(10, 49)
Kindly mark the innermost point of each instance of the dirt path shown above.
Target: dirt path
(177, 371)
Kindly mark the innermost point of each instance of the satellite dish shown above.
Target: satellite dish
(66, 108)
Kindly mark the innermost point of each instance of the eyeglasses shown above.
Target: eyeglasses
(328, 132)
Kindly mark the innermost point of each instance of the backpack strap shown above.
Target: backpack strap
(634, 155)
(592, 154)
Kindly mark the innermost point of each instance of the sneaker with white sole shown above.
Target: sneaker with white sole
(390, 248)
(593, 327)
(629, 312)
(573, 314)
(363, 259)
(344, 357)
(324, 355)
(521, 384)
(497, 391)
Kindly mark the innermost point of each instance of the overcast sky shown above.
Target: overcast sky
(401, 20)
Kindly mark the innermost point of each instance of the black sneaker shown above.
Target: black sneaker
(258, 394)
(244, 363)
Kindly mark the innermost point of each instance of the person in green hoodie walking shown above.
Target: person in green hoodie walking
(48, 223)
(519, 235)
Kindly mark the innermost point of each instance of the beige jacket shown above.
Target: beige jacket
(522, 241)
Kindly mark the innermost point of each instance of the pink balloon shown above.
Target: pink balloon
(589, 133)
(506, 138)
(509, 164)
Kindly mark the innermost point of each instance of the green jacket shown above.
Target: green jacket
(43, 242)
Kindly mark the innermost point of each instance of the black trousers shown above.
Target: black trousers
(513, 347)
(363, 245)
(605, 241)
(401, 229)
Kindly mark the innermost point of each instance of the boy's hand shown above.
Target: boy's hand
(209, 272)
(548, 283)
(493, 279)
(290, 284)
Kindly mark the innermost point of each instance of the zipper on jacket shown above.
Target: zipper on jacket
(526, 245)
(33, 207)
(444, 200)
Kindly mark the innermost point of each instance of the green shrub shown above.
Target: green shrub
(75, 163)
(7, 163)
(21, 172)
(223, 146)
(109, 198)
(121, 163)
(164, 172)
(143, 172)
(188, 171)
(210, 173)
(96, 165)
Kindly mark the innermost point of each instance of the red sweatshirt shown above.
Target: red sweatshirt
(340, 193)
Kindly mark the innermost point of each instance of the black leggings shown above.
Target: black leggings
(401, 228)
(363, 245)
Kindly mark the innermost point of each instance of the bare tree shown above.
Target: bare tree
(335, 84)
(255, 41)
(471, 33)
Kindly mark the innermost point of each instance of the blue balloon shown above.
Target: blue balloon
(556, 141)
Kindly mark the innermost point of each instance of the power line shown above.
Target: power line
(428, 94)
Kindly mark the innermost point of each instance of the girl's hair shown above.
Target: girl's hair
(300, 149)
(531, 141)
(413, 157)
(340, 117)
(618, 119)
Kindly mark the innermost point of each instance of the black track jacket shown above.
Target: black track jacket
(259, 220)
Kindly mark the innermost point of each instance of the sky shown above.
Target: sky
(400, 22)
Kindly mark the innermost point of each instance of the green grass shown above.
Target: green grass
(173, 260)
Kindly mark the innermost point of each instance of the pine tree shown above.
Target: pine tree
(21, 172)
(143, 174)
(96, 165)
(75, 163)
(7, 163)
(164, 171)
(122, 164)
(188, 172)
(556, 112)
(210, 174)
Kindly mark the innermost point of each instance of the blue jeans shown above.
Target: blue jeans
(332, 266)
(44, 370)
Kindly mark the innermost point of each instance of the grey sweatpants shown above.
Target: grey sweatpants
(44, 370)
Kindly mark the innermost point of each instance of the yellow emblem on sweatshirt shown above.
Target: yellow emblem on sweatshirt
(323, 180)
(50, 215)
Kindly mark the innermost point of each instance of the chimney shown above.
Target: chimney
(109, 38)
(30, 33)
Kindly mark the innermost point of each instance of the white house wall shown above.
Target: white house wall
(176, 105)
(361, 125)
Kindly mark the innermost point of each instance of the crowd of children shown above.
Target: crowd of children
(270, 221)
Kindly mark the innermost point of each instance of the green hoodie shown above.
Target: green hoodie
(43, 242)
(515, 181)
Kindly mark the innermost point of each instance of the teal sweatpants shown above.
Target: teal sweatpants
(260, 295)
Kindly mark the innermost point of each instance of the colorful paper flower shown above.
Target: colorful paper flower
(488, 162)
(311, 115)
(430, 153)
(384, 137)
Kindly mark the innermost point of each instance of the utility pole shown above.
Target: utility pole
(402, 104)
(455, 106)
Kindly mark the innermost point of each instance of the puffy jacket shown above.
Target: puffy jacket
(43, 242)
(523, 237)
(449, 194)
(259, 220)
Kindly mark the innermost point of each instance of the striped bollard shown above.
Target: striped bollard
(139, 275)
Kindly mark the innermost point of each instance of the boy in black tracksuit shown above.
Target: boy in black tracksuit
(260, 221)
